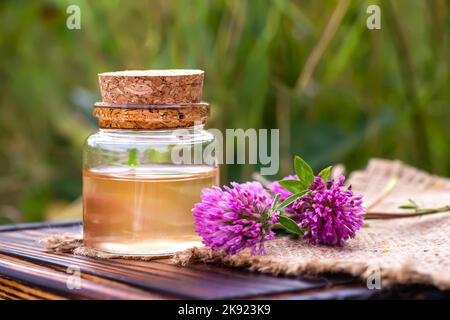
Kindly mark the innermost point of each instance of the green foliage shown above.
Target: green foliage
(293, 186)
(133, 157)
(290, 225)
(325, 173)
(371, 93)
(291, 199)
(303, 172)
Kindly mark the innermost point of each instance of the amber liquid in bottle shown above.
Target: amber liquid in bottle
(143, 210)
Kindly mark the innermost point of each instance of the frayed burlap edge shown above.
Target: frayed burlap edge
(73, 243)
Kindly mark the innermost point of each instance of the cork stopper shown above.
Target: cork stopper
(157, 87)
(151, 99)
(150, 117)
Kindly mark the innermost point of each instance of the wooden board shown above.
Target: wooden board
(28, 272)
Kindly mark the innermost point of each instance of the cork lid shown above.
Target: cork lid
(151, 99)
(150, 117)
(155, 87)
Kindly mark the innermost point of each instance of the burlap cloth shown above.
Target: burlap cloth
(401, 250)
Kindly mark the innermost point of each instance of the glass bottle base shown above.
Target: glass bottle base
(155, 249)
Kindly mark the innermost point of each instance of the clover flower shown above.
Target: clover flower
(235, 218)
(330, 213)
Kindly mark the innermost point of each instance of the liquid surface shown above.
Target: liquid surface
(143, 210)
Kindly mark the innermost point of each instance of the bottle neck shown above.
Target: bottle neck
(196, 133)
(188, 130)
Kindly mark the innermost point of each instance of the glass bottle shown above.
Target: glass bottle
(142, 175)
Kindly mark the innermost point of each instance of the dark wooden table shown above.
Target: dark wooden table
(28, 272)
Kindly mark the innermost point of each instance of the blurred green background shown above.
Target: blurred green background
(338, 91)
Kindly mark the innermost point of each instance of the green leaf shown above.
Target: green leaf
(325, 173)
(294, 186)
(291, 199)
(132, 157)
(304, 172)
(407, 206)
(275, 202)
(290, 225)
